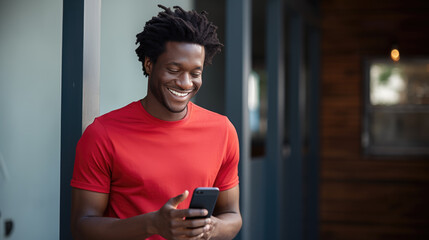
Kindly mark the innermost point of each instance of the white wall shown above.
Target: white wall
(121, 76)
(30, 110)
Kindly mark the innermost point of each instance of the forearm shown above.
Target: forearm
(138, 227)
(227, 225)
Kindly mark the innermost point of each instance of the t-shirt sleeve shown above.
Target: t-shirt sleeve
(92, 166)
(228, 174)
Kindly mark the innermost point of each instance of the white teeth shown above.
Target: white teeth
(178, 93)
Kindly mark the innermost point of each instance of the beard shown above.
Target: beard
(156, 89)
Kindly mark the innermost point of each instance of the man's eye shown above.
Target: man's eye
(173, 70)
(195, 75)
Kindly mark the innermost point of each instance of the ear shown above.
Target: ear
(148, 65)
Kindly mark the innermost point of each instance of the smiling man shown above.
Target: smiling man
(135, 166)
(173, 80)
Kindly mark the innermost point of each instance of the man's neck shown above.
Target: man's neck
(153, 106)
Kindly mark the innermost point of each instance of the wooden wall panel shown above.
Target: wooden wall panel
(376, 170)
(364, 197)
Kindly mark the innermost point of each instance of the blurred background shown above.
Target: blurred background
(330, 99)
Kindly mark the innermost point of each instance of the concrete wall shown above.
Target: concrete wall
(121, 75)
(30, 107)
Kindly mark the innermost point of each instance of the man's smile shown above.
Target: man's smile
(179, 94)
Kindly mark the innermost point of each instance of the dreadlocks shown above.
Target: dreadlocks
(179, 26)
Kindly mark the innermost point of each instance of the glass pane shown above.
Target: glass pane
(258, 111)
(258, 82)
(399, 129)
(402, 83)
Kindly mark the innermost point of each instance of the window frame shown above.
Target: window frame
(374, 150)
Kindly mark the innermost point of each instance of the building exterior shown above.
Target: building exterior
(291, 78)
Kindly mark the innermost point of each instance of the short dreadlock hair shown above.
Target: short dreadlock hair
(179, 26)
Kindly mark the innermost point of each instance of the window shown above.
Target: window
(258, 99)
(397, 107)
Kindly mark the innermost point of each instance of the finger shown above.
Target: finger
(190, 232)
(197, 213)
(195, 223)
(174, 202)
(189, 213)
(198, 237)
(205, 235)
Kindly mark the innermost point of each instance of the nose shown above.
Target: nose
(184, 81)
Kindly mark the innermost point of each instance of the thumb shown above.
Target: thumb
(174, 202)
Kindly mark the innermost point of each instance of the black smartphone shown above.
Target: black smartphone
(204, 198)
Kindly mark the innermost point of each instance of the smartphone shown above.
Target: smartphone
(204, 198)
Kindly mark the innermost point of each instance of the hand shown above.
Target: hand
(212, 228)
(171, 223)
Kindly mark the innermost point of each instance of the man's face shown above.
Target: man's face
(175, 77)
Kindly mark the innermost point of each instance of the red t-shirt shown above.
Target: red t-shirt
(142, 161)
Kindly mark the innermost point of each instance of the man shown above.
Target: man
(135, 166)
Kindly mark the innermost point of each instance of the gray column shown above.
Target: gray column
(91, 62)
(276, 92)
(71, 103)
(237, 47)
(293, 170)
(313, 159)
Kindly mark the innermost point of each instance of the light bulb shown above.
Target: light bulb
(394, 54)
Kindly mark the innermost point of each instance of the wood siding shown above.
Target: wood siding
(363, 197)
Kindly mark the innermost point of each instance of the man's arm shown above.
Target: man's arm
(226, 219)
(87, 221)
